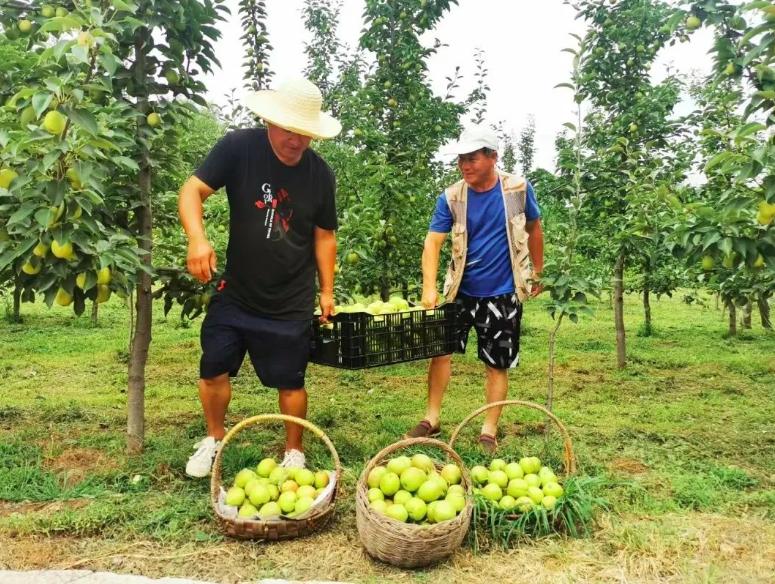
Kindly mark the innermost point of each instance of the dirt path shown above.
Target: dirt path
(671, 548)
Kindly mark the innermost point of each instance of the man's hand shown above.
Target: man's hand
(536, 289)
(326, 306)
(430, 298)
(201, 260)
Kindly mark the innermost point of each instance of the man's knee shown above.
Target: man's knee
(496, 372)
(292, 395)
(215, 383)
(441, 360)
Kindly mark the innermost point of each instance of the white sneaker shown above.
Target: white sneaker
(293, 459)
(201, 462)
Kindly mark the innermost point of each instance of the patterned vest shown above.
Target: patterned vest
(514, 191)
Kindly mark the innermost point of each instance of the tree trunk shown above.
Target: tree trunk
(384, 289)
(747, 311)
(618, 291)
(94, 312)
(141, 339)
(764, 310)
(17, 304)
(550, 372)
(646, 312)
(732, 319)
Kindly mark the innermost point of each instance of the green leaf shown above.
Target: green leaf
(710, 238)
(134, 22)
(124, 6)
(717, 159)
(748, 129)
(126, 162)
(79, 54)
(44, 216)
(109, 63)
(22, 212)
(85, 120)
(41, 101)
(49, 159)
(726, 245)
(60, 23)
(752, 33)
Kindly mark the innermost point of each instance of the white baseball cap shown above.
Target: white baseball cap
(473, 139)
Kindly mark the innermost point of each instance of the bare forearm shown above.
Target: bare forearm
(430, 265)
(535, 246)
(325, 258)
(191, 212)
(200, 257)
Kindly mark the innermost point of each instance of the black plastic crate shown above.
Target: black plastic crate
(358, 340)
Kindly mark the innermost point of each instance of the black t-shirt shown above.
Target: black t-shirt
(273, 211)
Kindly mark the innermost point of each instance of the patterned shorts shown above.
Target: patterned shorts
(497, 321)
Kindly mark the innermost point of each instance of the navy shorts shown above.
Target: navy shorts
(278, 349)
(497, 321)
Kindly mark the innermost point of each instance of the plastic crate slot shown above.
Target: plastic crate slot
(360, 340)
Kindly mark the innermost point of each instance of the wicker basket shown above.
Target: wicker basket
(403, 544)
(275, 529)
(569, 458)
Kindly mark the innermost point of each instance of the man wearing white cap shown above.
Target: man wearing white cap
(282, 221)
(496, 234)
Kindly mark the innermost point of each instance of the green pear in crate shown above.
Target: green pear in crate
(382, 333)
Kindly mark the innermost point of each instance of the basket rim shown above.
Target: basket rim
(375, 517)
(215, 480)
(569, 456)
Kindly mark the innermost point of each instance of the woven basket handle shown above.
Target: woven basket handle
(407, 442)
(215, 481)
(569, 458)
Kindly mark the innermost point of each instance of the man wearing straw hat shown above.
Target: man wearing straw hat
(496, 232)
(281, 233)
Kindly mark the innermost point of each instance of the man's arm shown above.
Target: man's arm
(431, 252)
(200, 258)
(535, 245)
(325, 257)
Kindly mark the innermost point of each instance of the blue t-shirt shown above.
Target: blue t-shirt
(488, 262)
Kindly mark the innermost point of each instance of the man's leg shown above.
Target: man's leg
(215, 395)
(496, 389)
(498, 328)
(293, 402)
(439, 373)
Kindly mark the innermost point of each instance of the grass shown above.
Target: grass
(681, 441)
(573, 515)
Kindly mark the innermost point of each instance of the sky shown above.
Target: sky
(522, 42)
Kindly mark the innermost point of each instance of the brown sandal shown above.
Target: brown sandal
(488, 443)
(423, 430)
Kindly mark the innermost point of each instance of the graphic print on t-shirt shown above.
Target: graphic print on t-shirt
(278, 211)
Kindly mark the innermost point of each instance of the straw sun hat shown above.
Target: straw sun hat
(295, 106)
